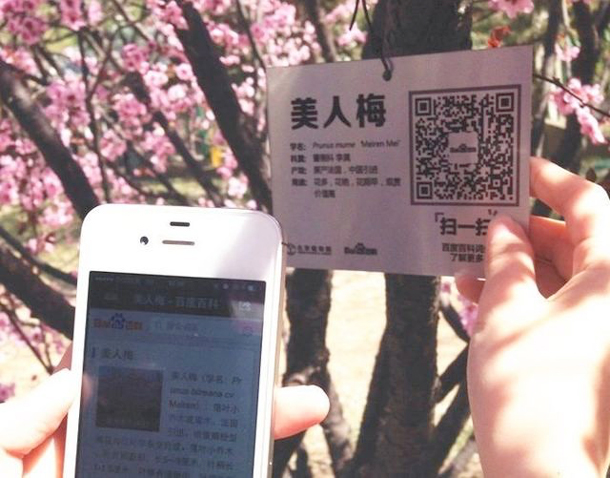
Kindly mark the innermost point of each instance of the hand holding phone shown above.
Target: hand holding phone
(32, 442)
(176, 340)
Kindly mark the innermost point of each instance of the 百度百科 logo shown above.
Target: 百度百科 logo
(117, 321)
(360, 250)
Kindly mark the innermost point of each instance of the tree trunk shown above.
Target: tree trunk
(397, 428)
(308, 304)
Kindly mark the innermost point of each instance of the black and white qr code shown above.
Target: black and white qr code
(465, 146)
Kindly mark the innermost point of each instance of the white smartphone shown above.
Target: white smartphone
(176, 340)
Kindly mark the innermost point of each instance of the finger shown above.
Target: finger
(552, 244)
(510, 270)
(584, 204)
(49, 455)
(469, 286)
(548, 279)
(298, 408)
(28, 421)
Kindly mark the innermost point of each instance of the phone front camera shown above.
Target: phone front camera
(144, 240)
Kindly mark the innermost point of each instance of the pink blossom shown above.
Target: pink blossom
(156, 77)
(20, 58)
(468, 317)
(229, 165)
(589, 126)
(35, 192)
(237, 187)
(351, 37)
(168, 12)
(58, 214)
(512, 7)
(567, 53)
(131, 112)
(565, 102)
(184, 72)
(135, 57)
(341, 13)
(592, 94)
(111, 145)
(159, 146)
(94, 12)
(575, 102)
(6, 141)
(71, 14)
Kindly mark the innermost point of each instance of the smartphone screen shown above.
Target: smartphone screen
(170, 376)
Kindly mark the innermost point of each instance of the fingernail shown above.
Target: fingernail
(65, 375)
(463, 274)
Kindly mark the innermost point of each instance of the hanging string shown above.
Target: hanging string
(377, 41)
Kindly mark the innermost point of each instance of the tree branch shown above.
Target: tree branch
(172, 193)
(602, 18)
(25, 254)
(136, 85)
(92, 120)
(45, 303)
(454, 374)
(236, 127)
(461, 460)
(453, 319)
(246, 27)
(12, 317)
(337, 431)
(448, 429)
(194, 166)
(559, 84)
(566, 154)
(325, 38)
(32, 119)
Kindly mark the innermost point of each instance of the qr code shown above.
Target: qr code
(465, 146)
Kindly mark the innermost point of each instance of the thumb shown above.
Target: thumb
(28, 421)
(509, 267)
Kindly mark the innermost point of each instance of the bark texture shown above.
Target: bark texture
(308, 304)
(397, 430)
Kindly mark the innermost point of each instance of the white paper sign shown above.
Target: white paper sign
(403, 175)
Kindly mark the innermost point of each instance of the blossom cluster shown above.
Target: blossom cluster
(512, 7)
(104, 79)
(574, 99)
